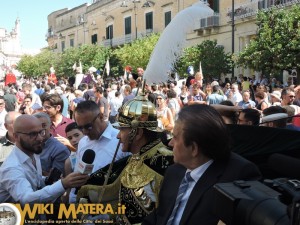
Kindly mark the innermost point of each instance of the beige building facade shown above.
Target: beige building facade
(116, 22)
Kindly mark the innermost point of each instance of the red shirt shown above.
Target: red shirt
(10, 78)
(52, 78)
(60, 129)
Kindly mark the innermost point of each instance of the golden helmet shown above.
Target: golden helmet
(138, 113)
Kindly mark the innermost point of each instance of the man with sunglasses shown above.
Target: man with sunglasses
(21, 172)
(101, 137)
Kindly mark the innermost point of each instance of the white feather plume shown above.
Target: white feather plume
(172, 42)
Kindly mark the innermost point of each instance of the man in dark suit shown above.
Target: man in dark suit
(203, 158)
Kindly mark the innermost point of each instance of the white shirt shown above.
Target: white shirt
(236, 98)
(115, 104)
(196, 175)
(2, 120)
(21, 182)
(104, 147)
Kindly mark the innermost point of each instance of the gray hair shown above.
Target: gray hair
(43, 115)
(11, 116)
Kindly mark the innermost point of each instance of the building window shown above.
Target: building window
(167, 18)
(149, 21)
(109, 32)
(94, 39)
(72, 42)
(214, 5)
(127, 25)
(63, 45)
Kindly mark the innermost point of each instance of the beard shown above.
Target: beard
(36, 147)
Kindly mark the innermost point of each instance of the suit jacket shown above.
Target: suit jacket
(199, 209)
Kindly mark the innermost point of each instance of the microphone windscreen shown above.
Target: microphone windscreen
(284, 165)
(88, 156)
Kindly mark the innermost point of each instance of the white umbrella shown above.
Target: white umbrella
(92, 69)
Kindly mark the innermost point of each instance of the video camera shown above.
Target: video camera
(273, 202)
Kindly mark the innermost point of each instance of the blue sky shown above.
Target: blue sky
(33, 18)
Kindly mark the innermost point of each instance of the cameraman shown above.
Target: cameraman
(21, 172)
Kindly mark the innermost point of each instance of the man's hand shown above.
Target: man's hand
(74, 179)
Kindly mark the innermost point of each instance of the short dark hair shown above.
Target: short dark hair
(87, 106)
(203, 125)
(99, 89)
(215, 88)
(171, 94)
(54, 100)
(252, 115)
(71, 126)
(260, 95)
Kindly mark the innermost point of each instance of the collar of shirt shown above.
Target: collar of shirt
(24, 157)
(199, 171)
(63, 121)
(108, 132)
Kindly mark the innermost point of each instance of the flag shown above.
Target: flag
(74, 66)
(80, 67)
(125, 74)
(107, 67)
(200, 68)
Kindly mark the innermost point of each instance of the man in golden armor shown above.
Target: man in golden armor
(133, 181)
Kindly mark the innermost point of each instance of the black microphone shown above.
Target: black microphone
(284, 165)
(85, 165)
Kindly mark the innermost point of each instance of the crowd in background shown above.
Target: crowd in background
(27, 95)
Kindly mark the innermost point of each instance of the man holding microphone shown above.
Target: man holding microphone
(21, 172)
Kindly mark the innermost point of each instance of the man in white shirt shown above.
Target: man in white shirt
(115, 104)
(21, 172)
(236, 97)
(100, 135)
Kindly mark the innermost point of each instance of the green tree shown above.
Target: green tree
(89, 55)
(137, 53)
(214, 60)
(277, 44)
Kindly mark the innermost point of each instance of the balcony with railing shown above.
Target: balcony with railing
(250, 9)
(209, 22)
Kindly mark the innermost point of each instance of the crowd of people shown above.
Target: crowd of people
(155, 149)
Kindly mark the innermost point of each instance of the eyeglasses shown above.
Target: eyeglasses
(33, 135)
(292, 96)
(88, 126)
(47, 107)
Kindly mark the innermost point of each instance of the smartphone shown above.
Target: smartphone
(53, 176)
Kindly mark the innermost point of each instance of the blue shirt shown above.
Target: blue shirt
(54, 154)
(245, 105)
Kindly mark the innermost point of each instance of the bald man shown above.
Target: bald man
(7, 142)
(21, 172)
